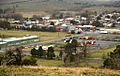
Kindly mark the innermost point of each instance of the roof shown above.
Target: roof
(80, 26)
(2, 43)
(14, 39)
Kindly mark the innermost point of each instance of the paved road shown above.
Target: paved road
(94, 60)
(42, 42)
(48, 41)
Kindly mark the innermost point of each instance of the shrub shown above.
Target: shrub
(50, 53)
(38, 53)
(27, 60)
(33, 52)
(12, 57)
(41, 52)
(113, 61)
(72, 56)
(5, 25)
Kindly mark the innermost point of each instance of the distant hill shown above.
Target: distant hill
(55, 5)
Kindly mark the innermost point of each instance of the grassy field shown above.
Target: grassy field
(50, 63)
(101, 9)
(43, 35)
(55, 71)
(59, 63)
(100, 53)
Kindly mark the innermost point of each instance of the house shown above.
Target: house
(65, 27)
(86, 27)
(15, 22)
(46, 18)
(75, 29)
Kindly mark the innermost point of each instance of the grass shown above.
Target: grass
(42, 35)
(55, 71)
(101, 53)
(44, 7)
(101, 9)
(50, 63)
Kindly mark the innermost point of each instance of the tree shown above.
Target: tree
(71, 54)
(71, 46)
(27, 60)
(57, 15)
(37, 17)
(5, 25)
(52, 23)
(85, 14)
(41, 52)
(18, 56)
(17, 16)
(34, 52)
(51, 27)
(12, 57)
(84, 48)
(61, 14)
(50, 53)
(113, 60)
(98, 18)
(97, 23)
(1, 11)
(61, 54)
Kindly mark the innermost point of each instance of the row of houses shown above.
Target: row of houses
(110, 19)
(77, 23)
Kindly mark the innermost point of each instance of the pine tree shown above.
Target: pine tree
(50, 53)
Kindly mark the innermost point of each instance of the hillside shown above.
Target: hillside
(52, 5)
(28, 8)
(55, 71)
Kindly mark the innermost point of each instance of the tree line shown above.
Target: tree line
(68, 53)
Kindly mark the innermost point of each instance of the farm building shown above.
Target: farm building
(2, 44)
(15, 41)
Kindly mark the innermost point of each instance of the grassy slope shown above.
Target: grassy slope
(101, 9)
(43, 35)
(40, 7)
(55, 71)
(100, 53)
(55, 68)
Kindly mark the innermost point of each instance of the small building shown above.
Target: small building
(2, 44)
(16, 41)
(86, 27)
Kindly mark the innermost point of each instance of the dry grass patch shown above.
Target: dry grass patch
(43, 35)
(55, 71)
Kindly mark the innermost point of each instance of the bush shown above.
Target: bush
(27, 60)
(38, 53)
(72, 56)
(50, 53)
(5, 25)
(97, 23)
(41, 52)
(12, 57)
(33, 52)
(113, 61)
